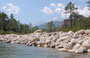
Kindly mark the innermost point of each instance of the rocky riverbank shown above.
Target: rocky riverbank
(78, 42)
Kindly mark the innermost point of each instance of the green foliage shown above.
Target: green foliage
(24, 28)
(88, 4)
(85, 24)
(3, 21)
(8, 24)
(70, 8)
(6, 32)
(34, 28)
(11, 25)
(50, 27)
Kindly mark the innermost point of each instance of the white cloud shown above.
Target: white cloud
(55, 19)
(60, 5)
(85, 11)
(10, 8)
(47, 10)
(58, 10)
(53, 5)
(63, 15)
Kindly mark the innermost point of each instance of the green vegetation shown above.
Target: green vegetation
(8, 25)
(70, 8)
(88, 3)
(11, 25)
(75, 22)
(51, 27)
(81, 23)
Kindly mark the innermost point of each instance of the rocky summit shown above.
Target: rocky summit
(76, 42)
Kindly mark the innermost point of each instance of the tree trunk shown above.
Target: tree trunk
(74, 22)
(71, 22)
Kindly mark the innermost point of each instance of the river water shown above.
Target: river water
(22, 51)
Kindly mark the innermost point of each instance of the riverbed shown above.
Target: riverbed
(22, 51)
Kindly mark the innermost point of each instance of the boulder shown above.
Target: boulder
(52, 45)
(64, 34)
(12, 42)
(77, 46)
(17, 42)
(64, 38)
(8, 41)
(46, 45)
(67, 40)
(73, 40)
(36, 35)
(87, 32)
(48, 41)
(70, 50)
(80, 50)
(81, 32)
(88, 50)
(87, 43)
(38, 45)
(38, 31)
(35, 39)
(70, 32)
(63, 50)
(59, 46)
(80, 42)
(76, 35)
(69, 45)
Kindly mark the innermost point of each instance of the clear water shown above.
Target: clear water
(22, 51)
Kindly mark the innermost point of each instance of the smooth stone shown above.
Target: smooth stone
(88, 50)
(69, 45)
(63, 50)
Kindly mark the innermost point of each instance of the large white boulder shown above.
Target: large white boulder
(80, 42)
(63, 50)
(73, 40)
(88, 50)
(80, 50)
(87, 32)
(52, 45)
(38, 31)
(64, 38)
(48, 41)
(70, 33)
(35, 39)
(76, 34)
(69, 45)
(59, 46)
(76, 47)
(87, 43)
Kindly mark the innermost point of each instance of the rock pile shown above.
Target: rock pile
(78, 42)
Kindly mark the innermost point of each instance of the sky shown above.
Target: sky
(41, 11)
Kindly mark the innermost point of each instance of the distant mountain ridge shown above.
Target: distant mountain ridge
(44, 25)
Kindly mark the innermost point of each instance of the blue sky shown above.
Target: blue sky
(39, 11)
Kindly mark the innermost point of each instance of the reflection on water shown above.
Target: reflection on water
(21, 51)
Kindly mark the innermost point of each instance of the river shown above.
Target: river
(22, 51)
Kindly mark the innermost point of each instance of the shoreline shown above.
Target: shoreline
(78, 42)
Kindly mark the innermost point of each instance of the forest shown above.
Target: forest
(75, 22)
